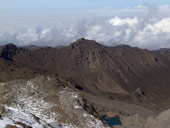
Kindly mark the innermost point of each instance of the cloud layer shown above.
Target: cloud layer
(149, 32)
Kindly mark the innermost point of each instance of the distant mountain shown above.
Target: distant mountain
(32, 47)
(138, 78)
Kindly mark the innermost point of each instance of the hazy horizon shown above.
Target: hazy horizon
(143, 24)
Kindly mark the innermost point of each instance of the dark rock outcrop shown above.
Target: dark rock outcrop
(8, 51)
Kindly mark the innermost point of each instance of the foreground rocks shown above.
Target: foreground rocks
(33, 104)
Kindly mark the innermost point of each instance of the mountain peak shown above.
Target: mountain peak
(85, 43)
(123, 46)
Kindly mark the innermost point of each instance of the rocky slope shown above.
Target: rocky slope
(160, 121)
(45, 103)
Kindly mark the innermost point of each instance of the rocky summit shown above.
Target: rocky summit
(73, 86)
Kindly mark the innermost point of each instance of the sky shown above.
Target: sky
(46, 6)
(139, 23)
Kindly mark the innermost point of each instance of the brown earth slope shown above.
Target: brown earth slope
(120, 73)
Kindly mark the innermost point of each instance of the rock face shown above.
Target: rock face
(31, 104)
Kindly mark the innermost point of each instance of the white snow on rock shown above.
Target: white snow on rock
(5, 122)
(28, 106)
(13, 115)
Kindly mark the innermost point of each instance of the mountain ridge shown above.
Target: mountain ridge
(119, 73)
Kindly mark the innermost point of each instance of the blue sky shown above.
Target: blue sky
(28, 6)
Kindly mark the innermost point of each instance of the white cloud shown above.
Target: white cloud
(151, 31)
(118, 21)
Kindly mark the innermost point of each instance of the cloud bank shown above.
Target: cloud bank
(149, 32)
